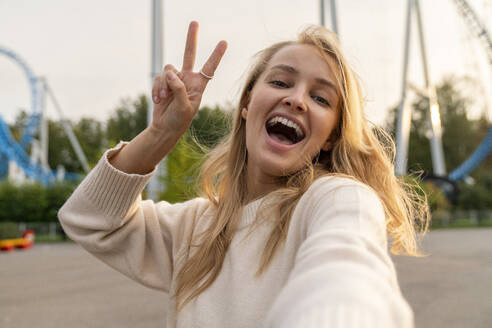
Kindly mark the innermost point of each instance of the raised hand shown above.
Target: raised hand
(177, 94)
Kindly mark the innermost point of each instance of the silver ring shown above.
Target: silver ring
(208, 77)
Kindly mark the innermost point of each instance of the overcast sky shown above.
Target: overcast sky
(96, 53)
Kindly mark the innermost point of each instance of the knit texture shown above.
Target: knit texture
(332, 271)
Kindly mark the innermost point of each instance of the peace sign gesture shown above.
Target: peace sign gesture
(177, 94)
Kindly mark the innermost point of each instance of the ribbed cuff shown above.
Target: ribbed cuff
(112, 190)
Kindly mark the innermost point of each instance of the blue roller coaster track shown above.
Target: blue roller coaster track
(10, 149)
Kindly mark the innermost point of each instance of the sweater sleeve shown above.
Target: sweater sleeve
(141, 239)
(343, 275)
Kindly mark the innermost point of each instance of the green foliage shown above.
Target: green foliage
(207, 129)
(92, 139)
(183, 165)
(210, 125)
(127, 121)
(90, 135)
(478, 195)
(31, 202)
(9, 230)
(20, 122)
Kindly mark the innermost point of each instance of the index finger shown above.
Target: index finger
(190, 48)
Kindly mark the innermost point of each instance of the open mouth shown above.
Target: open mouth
(284, 130)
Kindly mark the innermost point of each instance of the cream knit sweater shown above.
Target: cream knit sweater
(333, 270)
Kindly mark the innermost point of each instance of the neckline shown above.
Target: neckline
(248, 214)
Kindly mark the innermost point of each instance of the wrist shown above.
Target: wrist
(159, 142)
(144, 152)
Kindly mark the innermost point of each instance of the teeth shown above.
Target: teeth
(287, 122)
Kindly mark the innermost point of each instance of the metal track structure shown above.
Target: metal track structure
(403, 126)
(11, 150)
(405, 110)
(485, 147)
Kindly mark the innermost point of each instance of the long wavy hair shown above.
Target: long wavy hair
(361, 151)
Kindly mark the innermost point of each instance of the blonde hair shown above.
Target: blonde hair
(361, 152)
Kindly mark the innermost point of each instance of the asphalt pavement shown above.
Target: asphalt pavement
(61, 285)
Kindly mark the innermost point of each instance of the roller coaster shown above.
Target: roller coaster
(36, 166)
(447, 181)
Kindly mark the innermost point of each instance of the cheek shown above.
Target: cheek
(324, 127)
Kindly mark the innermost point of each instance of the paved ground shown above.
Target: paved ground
(453, 286)
(63, 286)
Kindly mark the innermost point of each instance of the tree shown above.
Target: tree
(90, 135)
(20, 122)
(127, 121)
(92, 139)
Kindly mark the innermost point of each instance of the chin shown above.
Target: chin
(281, 169)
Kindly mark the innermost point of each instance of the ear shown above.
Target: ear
(244, 113)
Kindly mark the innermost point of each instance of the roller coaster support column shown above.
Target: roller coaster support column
(333, 14)
(155, 185)
(68, 130)
(438, 163)
(404, 111)
(43, 125)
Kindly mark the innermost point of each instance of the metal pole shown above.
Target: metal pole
(322, 12)
(334, 22)
(68, 130)
(404, 111)
(438, 163)
(44, 125)
(154, 185)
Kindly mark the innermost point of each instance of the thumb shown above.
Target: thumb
(177, 87)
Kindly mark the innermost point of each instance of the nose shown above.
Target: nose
(295, 100)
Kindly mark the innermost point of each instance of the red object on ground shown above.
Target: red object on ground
(26, 241)
(7, 248)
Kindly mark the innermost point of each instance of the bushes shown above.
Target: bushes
(31, 202)
(9, 230)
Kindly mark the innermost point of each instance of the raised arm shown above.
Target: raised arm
(176, 96)
(106, 214)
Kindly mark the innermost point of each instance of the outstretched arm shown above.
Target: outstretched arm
(343, 275)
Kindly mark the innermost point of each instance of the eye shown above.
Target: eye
(279, 83)
(321, 100)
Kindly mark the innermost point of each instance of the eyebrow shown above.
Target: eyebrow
(290, 69)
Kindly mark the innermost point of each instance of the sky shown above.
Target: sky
(94, 54)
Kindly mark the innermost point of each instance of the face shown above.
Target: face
(292, 112)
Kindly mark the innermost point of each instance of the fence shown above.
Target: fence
(45, 231)
(462, 218)
(52, 231)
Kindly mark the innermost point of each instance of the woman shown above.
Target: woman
(301, 169)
